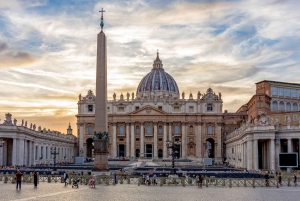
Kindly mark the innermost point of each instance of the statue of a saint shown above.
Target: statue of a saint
(132, 95)
(198, 95)
(207, 153)
(121, 97)
(30, 126)
(114, 96)
(25, 123)
(34, 127)
(22, 122)
(128, 95)
(288, 120)
(191, 96)
(182, 95)
(15, 121)
(79, 97)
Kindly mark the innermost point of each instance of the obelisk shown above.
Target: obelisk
(100, 145)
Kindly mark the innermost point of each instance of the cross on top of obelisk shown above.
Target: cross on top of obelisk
(102, 23)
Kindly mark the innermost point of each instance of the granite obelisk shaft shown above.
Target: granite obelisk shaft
(101, 85)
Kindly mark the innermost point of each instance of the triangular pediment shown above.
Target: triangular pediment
(148, 110)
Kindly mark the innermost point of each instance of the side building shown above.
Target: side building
(24, 145)
(140, 126)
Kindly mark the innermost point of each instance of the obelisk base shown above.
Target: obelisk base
(100, 158)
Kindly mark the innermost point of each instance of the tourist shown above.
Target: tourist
(154, 179)
(19, 179)
(35, 179)
(267, 178)
(92, 181)
(200, 180)
(66, 176)
(115, 177)
(295, 179)
(280, 179)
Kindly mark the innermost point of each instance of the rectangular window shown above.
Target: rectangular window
(274, 91)
(191, 108)
(209, 107)
(176, 109)
(295, 117)
(176, 130)
(149, 130)
(294, 93)
(137, 130)
(90, 108)
(46, 153)
(160, 107)
(121, 139)
(137, 107)
(41, 152)
(287, 92)
(277, 118)
(209, 130)
(159, 139)
(286, 117)
(137, 139)
(36, 153)
(280, 91)
(121, 109)
(160, 130)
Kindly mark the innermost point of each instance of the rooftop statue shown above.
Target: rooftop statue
(101, 136)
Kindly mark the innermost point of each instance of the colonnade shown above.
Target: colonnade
(24, 151)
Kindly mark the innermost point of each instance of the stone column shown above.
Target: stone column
(132, 141)
(2, 155)
(255, 154)
(5, 153)
(155, 141)
(249, 154)
(272, 154)
(32, 153)
(218, 149)
(127, 140)
(198, 140)
(26, 161)
(14, 152)
(289, 145)
(164, 142)
(114, 141)
(142, 140)
(183, 139)
(44, 153)
(21, 152)
(170, 131)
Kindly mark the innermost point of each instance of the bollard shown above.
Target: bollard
(206, 182)
(277, 184)
(5, 179)
(223, 182)
(161, 181)
(245, 183)
(183, 181)
(13, 178)
(128, 180)
(253, 183)
(49, 179)
(62, 179)
(230, 183)
(289, 181)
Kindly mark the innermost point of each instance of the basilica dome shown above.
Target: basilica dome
(158, 83)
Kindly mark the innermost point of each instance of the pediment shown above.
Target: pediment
(148, 110)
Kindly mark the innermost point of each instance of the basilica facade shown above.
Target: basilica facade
(139, 125)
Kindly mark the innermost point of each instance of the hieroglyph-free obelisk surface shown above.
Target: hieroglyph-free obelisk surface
(100, 146)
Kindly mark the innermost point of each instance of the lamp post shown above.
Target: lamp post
(173, 145)
(54, 153)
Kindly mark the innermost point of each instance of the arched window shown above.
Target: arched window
(90, 130)
(281, 105)
(160, 130)
(288, 106)
(121, 130)
(137, 130)
(274, 105)
(295, 107)
(209, 130)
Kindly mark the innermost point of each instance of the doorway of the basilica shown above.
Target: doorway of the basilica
(121, 150)
(89, 147)
(149, 151)
(137, 153)
(160, 153)
(177, 151)
(210, 148)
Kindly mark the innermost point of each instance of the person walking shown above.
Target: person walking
(19, 179)
(66, 176)
(280, 179)
(295, 179)
(154, 179)
(35, 179)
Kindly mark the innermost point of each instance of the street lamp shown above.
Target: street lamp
(1, 143)
(54, 153)
(173, 145)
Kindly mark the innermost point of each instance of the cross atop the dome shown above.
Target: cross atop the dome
(102, 23)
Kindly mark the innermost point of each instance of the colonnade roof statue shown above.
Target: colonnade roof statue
(158, 81)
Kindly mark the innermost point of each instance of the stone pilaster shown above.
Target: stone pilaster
(155, 141)
(249, 154)
(255, 154)
(114, 140)
(164, 142)
(272, 154)
(183, 145)
(127, 140)
(289, 145)
(14, 152)
(132, 141)
(142, 148)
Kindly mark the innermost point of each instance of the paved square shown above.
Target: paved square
(130, 192)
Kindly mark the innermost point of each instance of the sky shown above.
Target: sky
(48, 50)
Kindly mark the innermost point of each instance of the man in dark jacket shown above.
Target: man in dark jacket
(19, 179)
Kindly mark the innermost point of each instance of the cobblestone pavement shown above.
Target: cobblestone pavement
(131, 192)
